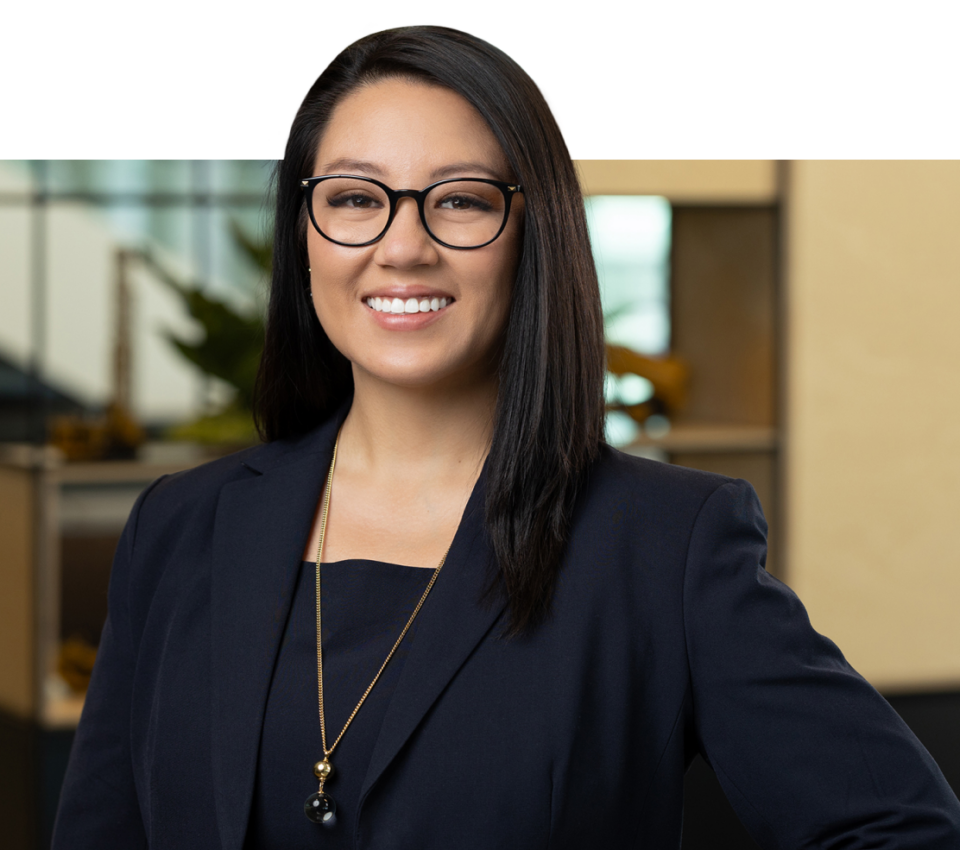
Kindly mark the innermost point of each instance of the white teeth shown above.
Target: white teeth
(411, 305)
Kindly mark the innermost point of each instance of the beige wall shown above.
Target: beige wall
(873, 413)
(683, 181)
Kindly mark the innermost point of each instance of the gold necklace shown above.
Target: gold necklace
(319, 806)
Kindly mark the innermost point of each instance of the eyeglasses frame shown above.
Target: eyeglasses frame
(308, 184)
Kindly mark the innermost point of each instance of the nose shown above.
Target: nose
(406, 243)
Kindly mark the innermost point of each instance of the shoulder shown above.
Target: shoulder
(190, 495)
(660, 488)
(190, 488)
(636, 528)
(172, 531)
(175, 513)
(639, 510)
(193, 493)
(645, 516)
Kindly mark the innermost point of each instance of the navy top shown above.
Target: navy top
(365, 605)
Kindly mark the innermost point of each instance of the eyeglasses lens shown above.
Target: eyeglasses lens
(464, 213)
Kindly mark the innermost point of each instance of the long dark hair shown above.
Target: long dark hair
(549, 418)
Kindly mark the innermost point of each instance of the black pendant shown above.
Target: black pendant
(321, 808)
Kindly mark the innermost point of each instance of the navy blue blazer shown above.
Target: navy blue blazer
(667, 637)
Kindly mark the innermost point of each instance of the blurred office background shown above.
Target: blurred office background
(789, 323)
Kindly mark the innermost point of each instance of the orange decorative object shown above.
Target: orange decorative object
(75, 663)
(669, 376)
(113, 436)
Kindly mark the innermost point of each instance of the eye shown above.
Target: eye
(354, 200)
(464, 202)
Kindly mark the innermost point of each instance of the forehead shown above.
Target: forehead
(398, 128)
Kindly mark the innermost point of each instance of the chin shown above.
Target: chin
(404, 371)
(419, 373)
(414, 378)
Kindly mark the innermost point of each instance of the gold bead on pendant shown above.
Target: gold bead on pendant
(323, 770)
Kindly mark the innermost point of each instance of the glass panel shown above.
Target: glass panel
(241, 175)
(118, 176)
(240, 243)
(79, 308)
(15, 290)
(16, 177)
(631, 246)
(630, 236)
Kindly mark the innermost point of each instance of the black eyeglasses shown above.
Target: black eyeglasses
(462, 212)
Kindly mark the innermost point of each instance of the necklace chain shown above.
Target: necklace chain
(328, 751)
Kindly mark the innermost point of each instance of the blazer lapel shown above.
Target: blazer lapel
(450, 625)
(261, 526)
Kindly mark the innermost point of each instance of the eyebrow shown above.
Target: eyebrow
(362, 166)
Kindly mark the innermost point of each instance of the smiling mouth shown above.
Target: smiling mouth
(410, 305)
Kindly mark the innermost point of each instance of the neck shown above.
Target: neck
(418, 434)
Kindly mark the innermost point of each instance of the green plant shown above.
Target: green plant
(230, 349)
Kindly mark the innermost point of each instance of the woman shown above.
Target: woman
(526, 636)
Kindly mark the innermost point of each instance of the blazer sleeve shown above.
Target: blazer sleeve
(98, 805)
(807, 752)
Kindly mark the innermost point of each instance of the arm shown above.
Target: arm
(807, 752)
(98, 802)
